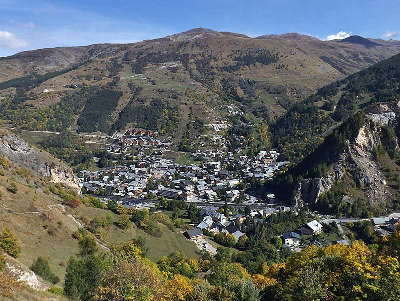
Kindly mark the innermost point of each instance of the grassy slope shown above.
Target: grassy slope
(48, 233)
(45, 229)
(169, 241)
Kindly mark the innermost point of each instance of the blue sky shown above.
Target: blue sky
(32, 24)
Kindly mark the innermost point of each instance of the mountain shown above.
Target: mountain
(174, 80)
(345, 140)
(303, 127)
(360, 40)
(355, 171)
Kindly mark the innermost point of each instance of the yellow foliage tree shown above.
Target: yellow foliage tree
(179, 288)
(132, 280)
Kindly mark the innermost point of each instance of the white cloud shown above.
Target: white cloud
(391, 35)
(11, 41)
(339, 36)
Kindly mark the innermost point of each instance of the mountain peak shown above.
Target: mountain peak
(199, 30)
(194, 33)
(359, 40)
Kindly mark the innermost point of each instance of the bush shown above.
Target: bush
(2, 262)
(87, 246)
(225, 239)
(12, 188)
(163, 219)
(124, 222)
(74, 203)
(41, 267)
(153, 229)
(5, 163)
(9, 243)
(56, 290)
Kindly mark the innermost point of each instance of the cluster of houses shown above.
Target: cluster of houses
(215, 222)
(137, 138)
(385, 225)
(292, 239)
(217, 179)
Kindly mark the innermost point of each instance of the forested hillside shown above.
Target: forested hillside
(345, 140)
(200, 73)
(304, 126)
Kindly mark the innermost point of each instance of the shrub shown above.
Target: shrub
(9, 243)
(74, 203)
(225, 239)
(140, 217)
(2, 262)
(87, 246)
(56, 290)
(95, 202)
(79, 234)
(41, 267)
(5, 163)
(12, 188)
(163, 219)
(124, 221)
(153, 229)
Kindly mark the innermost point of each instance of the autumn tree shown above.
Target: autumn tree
(9, 243)
(132, 280)
(124, 221)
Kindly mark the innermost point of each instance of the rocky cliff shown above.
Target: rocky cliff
(21, 153)
(358, 162)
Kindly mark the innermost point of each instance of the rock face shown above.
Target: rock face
(357, 160)
(21, 153)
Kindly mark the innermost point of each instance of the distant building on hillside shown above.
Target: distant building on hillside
(312, 228)
(193, 234)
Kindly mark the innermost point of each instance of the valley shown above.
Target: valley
(203, 165)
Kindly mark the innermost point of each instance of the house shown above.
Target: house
(187, 185)
(218, 227)
(193, 234)
(379, 221)
(291, 235)
(170, 193)
(206, 223)
(232, 228)
(233, 182)
(381, 232)
(237, 234)
(312, 228)
(316, 243)
(291, 242)
(240, 218)
(209, 210)
(232, 194)
(291, 239)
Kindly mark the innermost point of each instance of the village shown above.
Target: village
(215, 178)
(220, 177)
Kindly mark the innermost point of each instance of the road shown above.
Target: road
(353, 220)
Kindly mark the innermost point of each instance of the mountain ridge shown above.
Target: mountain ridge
(261, 76)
